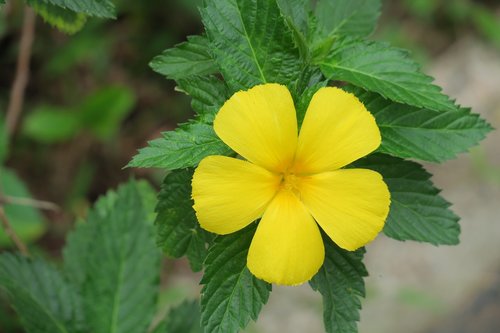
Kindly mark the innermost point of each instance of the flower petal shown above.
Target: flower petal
(229, 193)
(336, 131)
(287, 247)
(260, 124)
(350, 205)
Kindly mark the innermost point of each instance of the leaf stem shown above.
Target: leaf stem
(40, 204)
(12, 234)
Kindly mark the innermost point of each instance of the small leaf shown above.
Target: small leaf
(340, 282)
(250, 42)
(26, 221)
(50, 124)
(411, 132)
(186, 59)
(115, 263)
(296, 14)
(63, 19)
(103, 111)
(184, 318)
(208, 94)
(231, 295)
(178, 230)
(417, 212)
(347, 17)
(43, 299)
(98, 8)
(182, 148)
(389, 71)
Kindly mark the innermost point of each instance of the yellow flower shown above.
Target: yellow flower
(293, 183)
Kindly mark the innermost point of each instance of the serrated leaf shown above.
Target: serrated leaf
(183, 148)
(250, 42)
(347, 17)
(43, 299)
(26, 221)
(115, 263)
(411, 132)
(417, 212)
(98, 8)
(65, 20)
(340, 282)
(186, 59)
(378, 67)
(231, 295)
(208, 94)
(184, 318)
(177, 227)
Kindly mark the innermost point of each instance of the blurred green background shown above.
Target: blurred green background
(92, 101)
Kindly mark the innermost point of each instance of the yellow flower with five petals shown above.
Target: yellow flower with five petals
(293, 183)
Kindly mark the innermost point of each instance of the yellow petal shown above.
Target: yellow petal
(229, 193)
(287, 247)
(336, 131)
(350, 205)
(260, 124)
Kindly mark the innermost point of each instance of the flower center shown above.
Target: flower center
(290, 182)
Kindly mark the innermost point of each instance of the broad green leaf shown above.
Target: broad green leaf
(389, 71)
(417, 212)
(340, 282)
(296, 15)
(184, 318)
(412, 132)
(114, 261)
(98, 8)
(250, 42)
(26, 221)
(231, 295)
(50, 124)
(178, 230)
(182, 148)
(104, 111)
(347, 17)
(186, 59)
(43, 299)
(208, 94)
(63, 19)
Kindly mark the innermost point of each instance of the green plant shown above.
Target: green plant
(247, 43)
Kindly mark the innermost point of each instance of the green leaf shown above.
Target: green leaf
(184, 318)
(417, 212)
(63, 19)
(296, 14)
(43, 299)
(347, 17)
(98, 8)
(26, 221)
(250, 42)
(389, 71)
(50, 124)
(4, 146)
(340, 282)
(231, 295)
(412, 132)
(186, 59)
(178, 230)
(185, 147)
(208, 94)
(114, 261)
(104, 111)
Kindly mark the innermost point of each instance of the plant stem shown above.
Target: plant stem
(22, 72)
(12, 234)
(47, 205)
